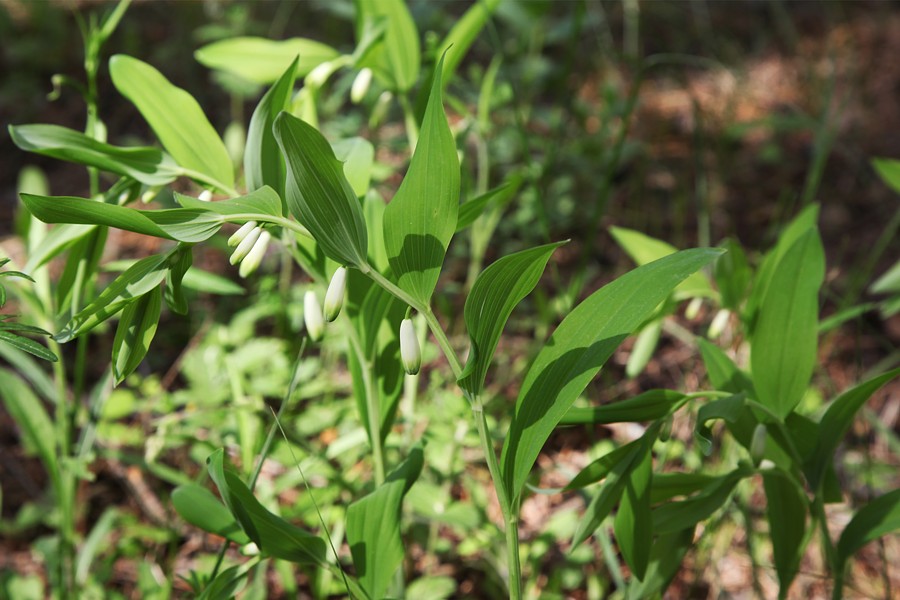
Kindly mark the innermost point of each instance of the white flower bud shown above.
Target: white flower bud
(318, 76)
(245, 245)
(149, 195)
(256, 254)
(758, 444)
(410, 353)
(718, 323)
(693, 309)
(360, 85)
(334, 297)
(312, 316)
(238, 236)
(205, 196)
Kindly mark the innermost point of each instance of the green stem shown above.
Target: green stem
(409, 120)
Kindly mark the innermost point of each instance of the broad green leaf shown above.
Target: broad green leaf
(199, 507)
(176, 118)
(433, 587)
(644, 249)
(651, 405)
(474, 208)
(728, 409)
(877, 518)
(608, 494)
(669, 485)
(578, 348)
(675, 516)
(633, 524)
(147, 165)
(263, 61)
(665, 561)
(495, 294)
(783, 352)
(260, 203)
(26, 345)
(733, 275)
(421, 218)
(795, 229)
(137, 280)
(889, 170)
(603, 466)
(835, 423)
(723, 374)
(135, 331)
(318, 194)
(273, 535)
(263, 162)
(643, 348)
(181, 224)
(174, 294)
(373, 527)
(31, 371)
(463, 33)
(786, 512)
(358, 156)
(396, 59)
(37, 431)
(227, 583)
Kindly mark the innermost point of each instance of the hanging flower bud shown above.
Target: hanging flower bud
(360, 85)
(244, 247)
(758, 444)
(718, 323)
(319, 75)
(410, 353)
(205, 196)
(256, 254)
(238, 236)
(312, 316)
(334, 297)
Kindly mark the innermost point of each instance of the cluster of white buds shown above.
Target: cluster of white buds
(251, 241)
(410, 353)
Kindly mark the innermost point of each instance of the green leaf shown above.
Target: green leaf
(261, 60)
(889, 282)
(877, 518)
(786, 508)
(421, 219)
(204, 281)
(318, 194)
(199, 507)
(675, 516)
(474, 208)
(649, 406)
(495, 294)
(137, 280)
(57, 240)
(665, 561)
(643, 348)
(37, 431)
(722, 372)
(135, 331)
(669, 485)
(176, 118)
(147, 165)
(578, 348)
(609, 493)
(373, 527)
(603, 466)
(26, 345)
(181, 224)
(728, 409)
(358, 156)
(227, 583)
(644, 249)
(31, 371)
(633, 524)
(396, 59)
(463, 34)
(263, 162)
(174, 294)
(835, 423)
(261, 203)
(273, 535)
(733, 275)
(785, 342)
(889, 171)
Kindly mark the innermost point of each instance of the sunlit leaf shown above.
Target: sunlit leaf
(262, 60)
(135, 331)
(396, 59)
(463, 33)
(199, 507)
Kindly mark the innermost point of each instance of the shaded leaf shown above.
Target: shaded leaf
(174, 292)
(651, 405)
(396, 59)
(786, 513)
(199, 507)
(633, 524)
(889, 171)
(37, 431)
(733, 275)
(463, 33)
(318, 194)
(495, 294)
(877, 518)
(666, 555)
(135, 331)
(675, 516)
